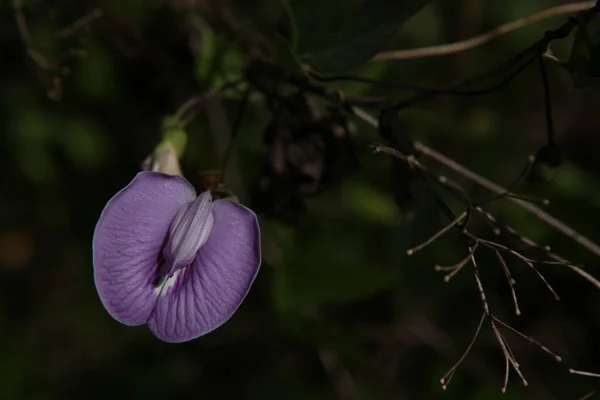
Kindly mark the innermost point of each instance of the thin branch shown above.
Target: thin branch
(508, 356)
(486, 307)
(497, 226)
(439, 233)
(474, 242)
(42, 62)
(547, 102)
(506, 351)
(486, 183)
(491, 186)
(584, 373)
(456, 268)
(545, 249)
(529, 339)
(511, 281)
(529, 199)
(448, 375)
(427, 91)
(188, 110)
(463, 45)
(588, 396)
(527, 261)
(524, 57)
(81, 23)
(514, 185)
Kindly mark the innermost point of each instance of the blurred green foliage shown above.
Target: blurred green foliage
(338, 309)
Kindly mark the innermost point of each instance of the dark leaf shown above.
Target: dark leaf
(584, 62)
(334, 36)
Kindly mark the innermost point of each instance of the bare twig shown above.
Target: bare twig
(491, 186)
(527, 261)
(41, 61)
(474, 242)
(510, 188)
(584, 373)
(509, 357)
(529, 339)
(588, 396)
(511, 281)
(188, 110)
(445, 381)
(439, 233)
(81, 23)
(544, 249)
(463, 45)
(453, 89)
(456, 268)
(547, 102)
(486, 183)
(496, 226)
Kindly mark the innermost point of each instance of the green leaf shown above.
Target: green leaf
(284, 39)
(286, 26)
(334, 36)
(285, 54)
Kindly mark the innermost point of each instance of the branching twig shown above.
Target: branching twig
(493, 187)
(544, 249)
(448, 375)
(463, 45)
(558, 260)
(529, 339)
(474, 243)
(508, 70)
(456, 268)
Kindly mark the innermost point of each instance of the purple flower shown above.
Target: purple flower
(180, 263)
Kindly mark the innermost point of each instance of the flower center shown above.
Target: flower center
(188, 232)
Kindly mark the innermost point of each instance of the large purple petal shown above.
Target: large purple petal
(204, 295)
(128, 240)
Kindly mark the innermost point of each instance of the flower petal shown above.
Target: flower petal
(128, 240)
(204, 295)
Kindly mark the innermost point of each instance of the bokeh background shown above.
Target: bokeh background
(338, 310)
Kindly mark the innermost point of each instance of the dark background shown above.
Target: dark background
(338, 309)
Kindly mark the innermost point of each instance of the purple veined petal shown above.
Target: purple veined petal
(202, 296)
(189, 231)
(127, 243)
